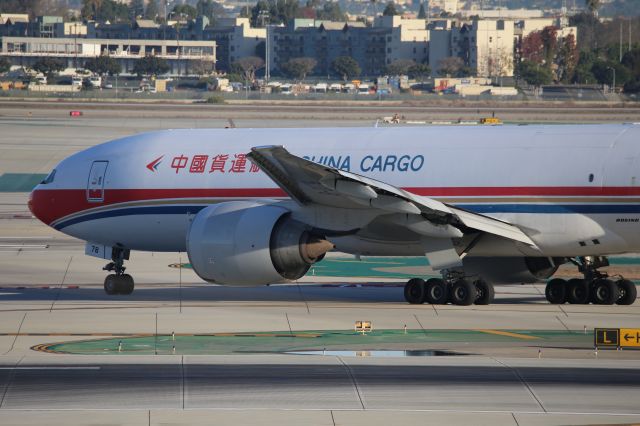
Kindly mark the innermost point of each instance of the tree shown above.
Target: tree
(593, 6)
(209, 8)
(32, 7)
(49, 66)
(421, 13)
(249, 66)
(419, 71)
(532, 48)
(136, 8)
(330, 11)
(185, 10)
(5, 65)
(582, 73)
(631, 60)
(201, 67)
(298, 68)
(603, 72)
(150, 65)
(390, 9)
(450, 66)
(103, 65)
(534, 74)
(274, 12)
(104, 10)
(346, 67)
(152, 11)
(567, 59)
(400, 66)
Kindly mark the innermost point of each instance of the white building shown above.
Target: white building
(485, 46)
(179, 54)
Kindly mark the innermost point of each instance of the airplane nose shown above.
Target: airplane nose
(37, 204)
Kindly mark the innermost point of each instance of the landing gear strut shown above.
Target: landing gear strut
(596, 286)
(453, 287)
(119, 282)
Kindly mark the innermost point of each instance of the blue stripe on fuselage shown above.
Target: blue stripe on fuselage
(476, 208)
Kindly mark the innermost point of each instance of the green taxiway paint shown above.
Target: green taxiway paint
(391, 267)
(283, 341)
(371, 267)
(20, 182)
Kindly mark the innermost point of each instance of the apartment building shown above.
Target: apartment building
(374, 48)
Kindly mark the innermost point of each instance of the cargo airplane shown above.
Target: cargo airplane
(485, 205)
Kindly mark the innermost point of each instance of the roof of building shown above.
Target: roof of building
(146, 23)
(332, 26)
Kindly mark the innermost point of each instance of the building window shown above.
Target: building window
(490, 39)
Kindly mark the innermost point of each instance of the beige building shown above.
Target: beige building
(491, 50)
(409, 38)
(243, 38)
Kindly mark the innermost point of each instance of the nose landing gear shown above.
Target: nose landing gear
(119, 282)
(596, 287)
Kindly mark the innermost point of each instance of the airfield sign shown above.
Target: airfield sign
(606, 337)
(616, 337)
(630, 337)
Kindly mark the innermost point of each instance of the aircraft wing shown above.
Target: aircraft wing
(307, 182)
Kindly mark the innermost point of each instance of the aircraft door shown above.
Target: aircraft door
(95, 186)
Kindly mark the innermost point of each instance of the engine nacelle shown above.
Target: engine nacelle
(249, 243)
(511, 270)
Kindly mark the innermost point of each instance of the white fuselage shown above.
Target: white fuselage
(573, 188)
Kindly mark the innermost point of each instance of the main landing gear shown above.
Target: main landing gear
(119, 282)
(596, 287)
(454, 288)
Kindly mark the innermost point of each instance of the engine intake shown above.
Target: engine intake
(250, 243)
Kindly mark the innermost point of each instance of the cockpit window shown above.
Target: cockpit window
(49, 178)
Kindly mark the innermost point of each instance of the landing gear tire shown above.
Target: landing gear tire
(627, 291)
(414, 291)
(126, 284)
(485, 292)
(111, 284)
(605, 292)
(463, 293)
(556, 291)
(578, 291)
(118, 284)
(437, 291)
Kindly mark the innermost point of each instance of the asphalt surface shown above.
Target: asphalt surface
(324, 383)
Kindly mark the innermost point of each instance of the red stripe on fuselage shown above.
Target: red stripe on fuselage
(51, 205)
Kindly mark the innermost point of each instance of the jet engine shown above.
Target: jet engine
(510, 270)
(250, 243)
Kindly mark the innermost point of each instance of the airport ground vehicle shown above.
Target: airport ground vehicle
(487, 204)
